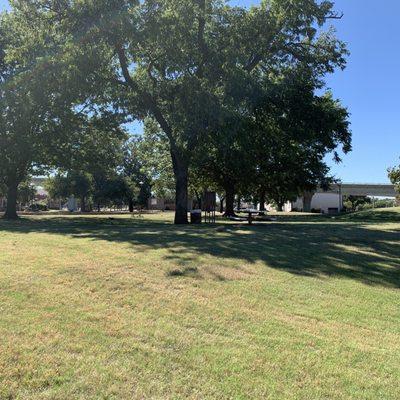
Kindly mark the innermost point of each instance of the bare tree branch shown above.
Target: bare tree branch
(335, 15)
(146, 97)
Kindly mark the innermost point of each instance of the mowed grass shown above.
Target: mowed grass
(136, 308)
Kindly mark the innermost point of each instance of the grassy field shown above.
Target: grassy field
(131, 308)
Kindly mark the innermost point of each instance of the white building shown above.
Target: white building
(331, 201)
(326, 203)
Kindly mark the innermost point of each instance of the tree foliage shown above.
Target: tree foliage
(41, 119)
(394, 176)
(227, 95)
(295, 129)
(190, 65)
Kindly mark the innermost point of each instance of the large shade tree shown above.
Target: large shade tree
(186, 63)
(228, 160)
(47, 119)
(294, 130)
(277, 149)
(35, 117)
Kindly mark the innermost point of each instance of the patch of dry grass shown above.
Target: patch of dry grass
(93, 308)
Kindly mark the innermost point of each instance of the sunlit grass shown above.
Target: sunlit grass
(132, 308)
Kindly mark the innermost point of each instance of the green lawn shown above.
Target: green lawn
(129, 308)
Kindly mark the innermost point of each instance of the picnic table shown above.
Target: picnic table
(250, 212)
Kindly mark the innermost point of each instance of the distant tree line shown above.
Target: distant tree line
(111, 176)
(232, 99)
(358, 203)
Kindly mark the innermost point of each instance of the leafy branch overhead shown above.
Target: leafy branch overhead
(198, 69)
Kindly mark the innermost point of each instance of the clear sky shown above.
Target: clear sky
(369, 87)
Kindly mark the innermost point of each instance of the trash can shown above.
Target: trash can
(195, 217)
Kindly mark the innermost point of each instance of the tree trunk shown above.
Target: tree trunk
(11, 209)
(130, 205)
(307, 199)
(221, 205)
(280, 206)
(262, 202)
(83, 204)
(198, 199)
(230, 201)
(181, 172)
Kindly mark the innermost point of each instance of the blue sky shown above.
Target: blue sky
(369, 87)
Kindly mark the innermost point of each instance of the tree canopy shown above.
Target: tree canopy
(228, 92)
(43, 121)
(190, 65)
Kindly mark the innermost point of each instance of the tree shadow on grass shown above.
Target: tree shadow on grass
(317, 248)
